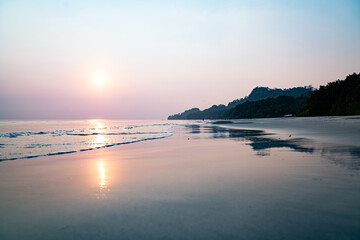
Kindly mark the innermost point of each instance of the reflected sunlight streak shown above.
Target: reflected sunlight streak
(103, 180)
(102, 175)
(99, 140)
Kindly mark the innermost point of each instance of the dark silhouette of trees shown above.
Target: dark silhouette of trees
(341, 97)
(270, 107)
(258, 93)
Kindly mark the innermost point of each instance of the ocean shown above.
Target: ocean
(29, 139)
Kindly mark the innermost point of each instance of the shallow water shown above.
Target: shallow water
(204, 182)
(28, 139)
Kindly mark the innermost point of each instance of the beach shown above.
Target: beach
(179, 120)
(205, 181)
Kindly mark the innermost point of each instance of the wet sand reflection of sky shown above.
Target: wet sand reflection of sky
(262, 142)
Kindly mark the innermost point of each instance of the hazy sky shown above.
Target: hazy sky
(148, 59)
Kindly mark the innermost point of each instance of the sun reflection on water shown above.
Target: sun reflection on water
(99, 140)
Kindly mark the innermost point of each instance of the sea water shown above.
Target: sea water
(28, 139)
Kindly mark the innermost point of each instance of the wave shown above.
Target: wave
(120, 133)
(87, 131)
(87, 149)
(21, 134)
(48, 140)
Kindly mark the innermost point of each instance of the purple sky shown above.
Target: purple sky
(157, 58)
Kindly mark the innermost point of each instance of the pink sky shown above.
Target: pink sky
(159, 58)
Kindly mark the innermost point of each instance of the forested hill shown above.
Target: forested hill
(341, 97)
(269, 107)
(258, 93)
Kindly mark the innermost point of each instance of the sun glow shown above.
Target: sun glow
(100, 83)
(99, 79)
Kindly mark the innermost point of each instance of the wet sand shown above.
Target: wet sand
(340, 130)
(205, 182)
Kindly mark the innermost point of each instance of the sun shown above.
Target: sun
(99, 79)
(99, 82)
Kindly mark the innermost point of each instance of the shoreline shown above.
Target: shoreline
(333, 132)
(341, 130)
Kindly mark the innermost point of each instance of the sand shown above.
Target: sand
(202, 183)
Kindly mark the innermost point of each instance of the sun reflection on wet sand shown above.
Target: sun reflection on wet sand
(102, 175)
(103, 180)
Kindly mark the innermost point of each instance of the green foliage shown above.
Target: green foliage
(270, 107)
(341, 97)
(184, 115)
(258, 93)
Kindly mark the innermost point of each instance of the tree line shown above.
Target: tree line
(341, 97)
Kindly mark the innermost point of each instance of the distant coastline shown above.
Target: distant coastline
(338, 98)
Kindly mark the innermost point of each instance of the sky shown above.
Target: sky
(150, 59)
